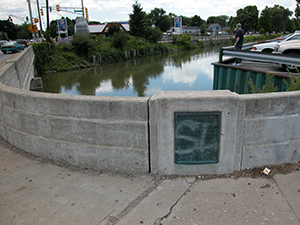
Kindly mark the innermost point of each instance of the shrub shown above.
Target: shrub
(83, 44)
(267, 87)
(119, 40)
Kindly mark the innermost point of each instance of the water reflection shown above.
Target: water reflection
(140, 77)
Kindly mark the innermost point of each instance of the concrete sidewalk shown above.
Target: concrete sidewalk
(33, 191)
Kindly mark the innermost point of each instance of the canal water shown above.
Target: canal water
(184, 71)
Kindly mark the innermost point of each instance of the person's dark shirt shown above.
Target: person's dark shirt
(240, 33)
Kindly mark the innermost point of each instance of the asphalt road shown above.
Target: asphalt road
(3, 57)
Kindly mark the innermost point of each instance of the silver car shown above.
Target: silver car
(270, 46)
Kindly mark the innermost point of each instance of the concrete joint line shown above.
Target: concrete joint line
(159, 220)
(112, 220)
(286, 199)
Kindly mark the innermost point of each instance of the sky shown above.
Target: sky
(117, 10)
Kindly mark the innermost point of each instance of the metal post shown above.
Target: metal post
(30, 14)
(221, 55)
(40, 20)
(47, 10)
(82, 8)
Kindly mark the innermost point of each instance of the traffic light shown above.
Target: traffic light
(57, 8)
(86, 13)
(27, 19)
(36, 20)
(10, 19)
(42, 13)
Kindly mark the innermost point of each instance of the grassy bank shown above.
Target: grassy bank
(81, 52)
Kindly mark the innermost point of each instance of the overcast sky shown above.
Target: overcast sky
(117, 10)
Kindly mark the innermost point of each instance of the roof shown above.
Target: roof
(99, 28)
(214, 26)
(96, 28)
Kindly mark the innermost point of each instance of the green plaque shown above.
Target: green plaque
(197, 137)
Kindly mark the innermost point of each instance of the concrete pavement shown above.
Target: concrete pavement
(35, 191)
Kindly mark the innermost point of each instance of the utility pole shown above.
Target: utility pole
(40, 19)
(82, 8)
(30, 14)
(48, 28)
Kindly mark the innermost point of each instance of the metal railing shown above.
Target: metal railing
(258, 56)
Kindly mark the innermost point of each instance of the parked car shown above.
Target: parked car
(2, 42)
(270, 46)
(12, 46)
(23, 42)
(291, 48)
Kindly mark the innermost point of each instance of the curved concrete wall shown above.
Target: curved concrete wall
(125, 134)
(104, 133)
(256, 129)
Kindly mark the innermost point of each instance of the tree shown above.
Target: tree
(297, 10)
(185, 20)
(153, 34)
(24, 32)
(196, 21)
(248, 17)
(280, 18)
(137, 20)
(171, 18)
(265, 21)
(114, 28)
(159, 19)
(9, 29)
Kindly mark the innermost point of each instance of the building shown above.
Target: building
(102, 29)
(214, 28)
(185, 30)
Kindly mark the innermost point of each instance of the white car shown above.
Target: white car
(270, 46)
(291, 48)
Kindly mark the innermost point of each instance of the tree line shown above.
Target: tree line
(150, 25)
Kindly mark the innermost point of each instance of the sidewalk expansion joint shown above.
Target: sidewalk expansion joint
(158, 221)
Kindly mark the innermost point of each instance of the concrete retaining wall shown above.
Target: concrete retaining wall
(18, 70)
(133, 134)
(256, 129)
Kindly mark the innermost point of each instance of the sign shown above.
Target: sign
(32, 28)
(62, 25)
(177, 22)
(197, 137)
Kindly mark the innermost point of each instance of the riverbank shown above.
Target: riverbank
(51, 57)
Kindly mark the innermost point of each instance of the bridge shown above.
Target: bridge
(179, 132)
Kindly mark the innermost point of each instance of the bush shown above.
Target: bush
(119, 40)
(83, 44)
(183, 41)
(153, 34)
(267, 87)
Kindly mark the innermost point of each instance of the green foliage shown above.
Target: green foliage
(83, 44)
(137, 20)
(159, 19)
(294, 82)
(182, 41)
(119, 40)
(269, 85)
(114, 28)
(248, 17)
(51, 57)
(153, 34)
(262, 31)
(264, 22)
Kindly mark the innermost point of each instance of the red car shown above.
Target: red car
(22, 41)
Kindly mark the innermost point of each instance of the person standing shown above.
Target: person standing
(238, 42)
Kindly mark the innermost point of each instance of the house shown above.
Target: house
(102, 29)
(184, 30)
(214, 28)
